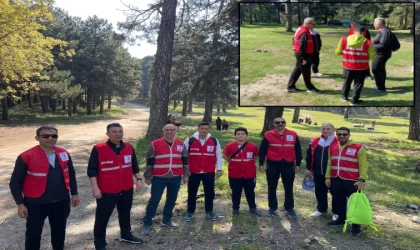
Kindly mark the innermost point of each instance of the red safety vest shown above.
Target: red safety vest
(202, 159)
(351, 32)
(38, 166)
(281, 147)
(243, 164)
(314, 144)
(355, 58)
(115, 172)
(309, 42)
(344, 162)
(167, 158)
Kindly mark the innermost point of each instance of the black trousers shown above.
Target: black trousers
(321, 193)
(315, 62)
(57, 213)
(194, 184)
(239, 184)
(218, 127)
(299, 69)
(379, 71)
(104, 208)
(358, 76)
(341, 191)
(286, 171)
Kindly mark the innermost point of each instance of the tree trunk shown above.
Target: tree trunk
(296, 115)
(35, 99)
(89, 101)
(5, 109)
(53, 105)
(251, 10)
(75, 104)
(102, 103)
(109, 102)
(308, 9)
(289, 15)
(94, 100)
(346, 113)
(299, 5)
(261, 16)
(270, 114)
(162, 71)
(69, 106)
(190, 103)
(175, 103)
(29, 99)
(185, 105)
(64, 104)
(414, 127)
(44, 104)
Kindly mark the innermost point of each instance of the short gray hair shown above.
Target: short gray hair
(309, 20)
(381, 21)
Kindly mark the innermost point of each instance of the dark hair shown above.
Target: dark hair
(45, 127)
(241, 129)
(343, 128)
(111, 125)
(203, 124)
(358, 29)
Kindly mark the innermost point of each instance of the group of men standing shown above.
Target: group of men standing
(357, 49)
(44, 175)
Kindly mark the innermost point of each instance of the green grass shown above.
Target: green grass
(264, 75)
(391, 182)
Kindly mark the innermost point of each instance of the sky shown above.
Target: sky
(110, 10)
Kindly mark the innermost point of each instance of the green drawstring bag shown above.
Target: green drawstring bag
(359, 211)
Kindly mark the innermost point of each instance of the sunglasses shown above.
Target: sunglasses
(339, 134)
(46, 136)
(282, 122)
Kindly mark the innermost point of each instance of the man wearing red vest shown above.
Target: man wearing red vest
(284, 155)
(45, 175)
(167, 161)
(303, 46)
(365, 32)
(357, 52)
(346, 173)
(112, 165)
(316, 163)
(241, 156)
(204, 157)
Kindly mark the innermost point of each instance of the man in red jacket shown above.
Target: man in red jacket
(112, 165)
(241, 156)
(45, 175)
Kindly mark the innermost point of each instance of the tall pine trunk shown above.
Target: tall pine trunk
(89, 101)
(5, 109)
(102, 103)
(69, 106)
(184, 105)
(270, 114)
(109, 101)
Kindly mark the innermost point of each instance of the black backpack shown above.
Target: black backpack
(191, 140)
(394, 44)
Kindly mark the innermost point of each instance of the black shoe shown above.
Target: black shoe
(235, 212)
(336, 223)
(355, 103)
(293, 90)
(343, 99)
(131, 239)
(256, 212)
(356, 230)
(315, 90)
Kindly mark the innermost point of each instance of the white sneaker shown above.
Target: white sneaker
(335, 217)
(317, 74)
(316, 214)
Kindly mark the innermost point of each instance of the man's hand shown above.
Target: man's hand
(75, 201)
(22, 211)
(262, 168)
(328, 183)
(218, 174)
(297, 169)
(96, 192)
(138, 185)
(309, 173)
(148, 182)
(360, 185)
(304, 62)
(185, 180)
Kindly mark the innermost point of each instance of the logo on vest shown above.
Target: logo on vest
(107, 162)
(249, 155)
(351, 151)
(179, 148)
(64, 156)
(289, 138)
(127, 158)
(210, 148)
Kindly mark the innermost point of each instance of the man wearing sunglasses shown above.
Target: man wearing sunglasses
(45, 175)
(284, 155)
(346, 173)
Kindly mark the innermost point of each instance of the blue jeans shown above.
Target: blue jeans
(159, 184)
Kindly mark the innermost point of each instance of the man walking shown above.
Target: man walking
(316, 163)
(356, 51)
(44, 175)
(284, 155)
(167, 161)
(112, 165)
(381, 42)
(303, 46)
(204, 158)
(346, 173)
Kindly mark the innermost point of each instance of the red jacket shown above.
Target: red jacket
(167, 158)
(243, 164)
(309, 42)
(355, 58)
(115, 172)
(344, 163)
(281, 147)
(38, 166)
(202, 158)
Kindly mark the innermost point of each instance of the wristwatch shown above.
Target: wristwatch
(140, 179)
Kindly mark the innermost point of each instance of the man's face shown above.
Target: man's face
(169, 132)
(46, 138)
(376, 25)
(241, 135)
(115, 134)
(279, 123)
(343, 136)
(203, 130)
(327, 130)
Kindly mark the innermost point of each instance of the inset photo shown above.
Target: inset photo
(326, 54)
